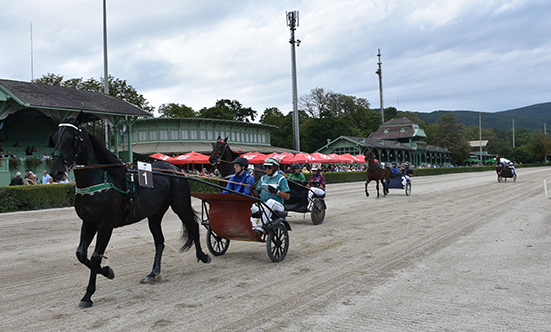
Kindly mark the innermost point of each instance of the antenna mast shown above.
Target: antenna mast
(380, 73)
(292, 23)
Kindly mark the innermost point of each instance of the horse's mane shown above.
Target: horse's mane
(104, 155)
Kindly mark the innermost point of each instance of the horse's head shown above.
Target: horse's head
(369, 155)
(67, 141)
(218, 150)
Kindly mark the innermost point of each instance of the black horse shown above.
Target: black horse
(108, 198)
(222, 156)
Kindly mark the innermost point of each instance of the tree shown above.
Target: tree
(172, 110)
(353, 111)
(228, 110)
(315, 132)
(117, 88)
(450, 134)
(541, 146)
(283, 136)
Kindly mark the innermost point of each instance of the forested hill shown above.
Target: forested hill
(531, 117)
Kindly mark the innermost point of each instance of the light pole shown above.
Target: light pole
(513, 131)
(292, 23)
(380, 73)
(105, 71)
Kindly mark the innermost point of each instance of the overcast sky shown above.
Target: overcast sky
(489, 55)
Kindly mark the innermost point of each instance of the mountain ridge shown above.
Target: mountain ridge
(531, 117)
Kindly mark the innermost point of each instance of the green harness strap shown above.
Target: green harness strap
(98, 187)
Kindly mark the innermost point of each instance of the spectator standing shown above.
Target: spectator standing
(46, 178)
(17, 180)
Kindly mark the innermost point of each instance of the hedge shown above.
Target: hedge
(36, 197)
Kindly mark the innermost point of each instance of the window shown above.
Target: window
(203, 134)
(163, 134)
(185, 134)
(193, 134)
(242, 137)
(133, 136)
(173, 134)
(263, 138)
(216, 134)
(209, 135)
(152, 135)
(233, 136)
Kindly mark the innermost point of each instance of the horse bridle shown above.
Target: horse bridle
(217, 154)
(68, 161)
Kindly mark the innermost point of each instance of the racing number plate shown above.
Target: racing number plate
(145, 176)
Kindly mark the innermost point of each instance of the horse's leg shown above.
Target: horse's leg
(87, 233)
(157, 232)
(377, 181)
(366, 183)
(104, 234)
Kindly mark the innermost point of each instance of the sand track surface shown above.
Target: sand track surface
(462, 253)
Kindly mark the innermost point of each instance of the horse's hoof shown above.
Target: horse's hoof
(85, 304)
(108, 272)
(152, 278)
(207, 259)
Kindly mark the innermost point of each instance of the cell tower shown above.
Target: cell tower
(292, 23)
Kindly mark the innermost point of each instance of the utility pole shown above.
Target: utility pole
(480, 133)
(513, 131)
(292, 23)
(380, 73)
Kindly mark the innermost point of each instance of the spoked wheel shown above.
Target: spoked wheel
(217, 245)
(318, 211)
(408, 188)
(277, 242)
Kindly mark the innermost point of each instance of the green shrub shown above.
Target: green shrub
(36, 197)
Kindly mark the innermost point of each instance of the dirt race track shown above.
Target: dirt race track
(462, 253)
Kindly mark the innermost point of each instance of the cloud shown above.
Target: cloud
(450, 54)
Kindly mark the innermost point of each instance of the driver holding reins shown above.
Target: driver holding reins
(241, 181)
(273, 188)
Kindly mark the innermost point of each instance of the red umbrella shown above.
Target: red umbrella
(360, 158)
(160, 156)
(349, 158)
(303, 158)
(254, 157)
(335, 158)
(189, 158)
(321, 158)
(283, 158)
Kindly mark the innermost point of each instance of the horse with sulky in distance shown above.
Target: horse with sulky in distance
(377, 173)
(107, 198)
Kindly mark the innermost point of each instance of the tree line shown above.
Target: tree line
(325, 115)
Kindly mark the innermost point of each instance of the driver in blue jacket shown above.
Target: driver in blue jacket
(241, 181)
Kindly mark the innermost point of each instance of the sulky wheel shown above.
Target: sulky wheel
(217, 245)
(408, 188)
(515, 177)
(318, 211)
(277, 242)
